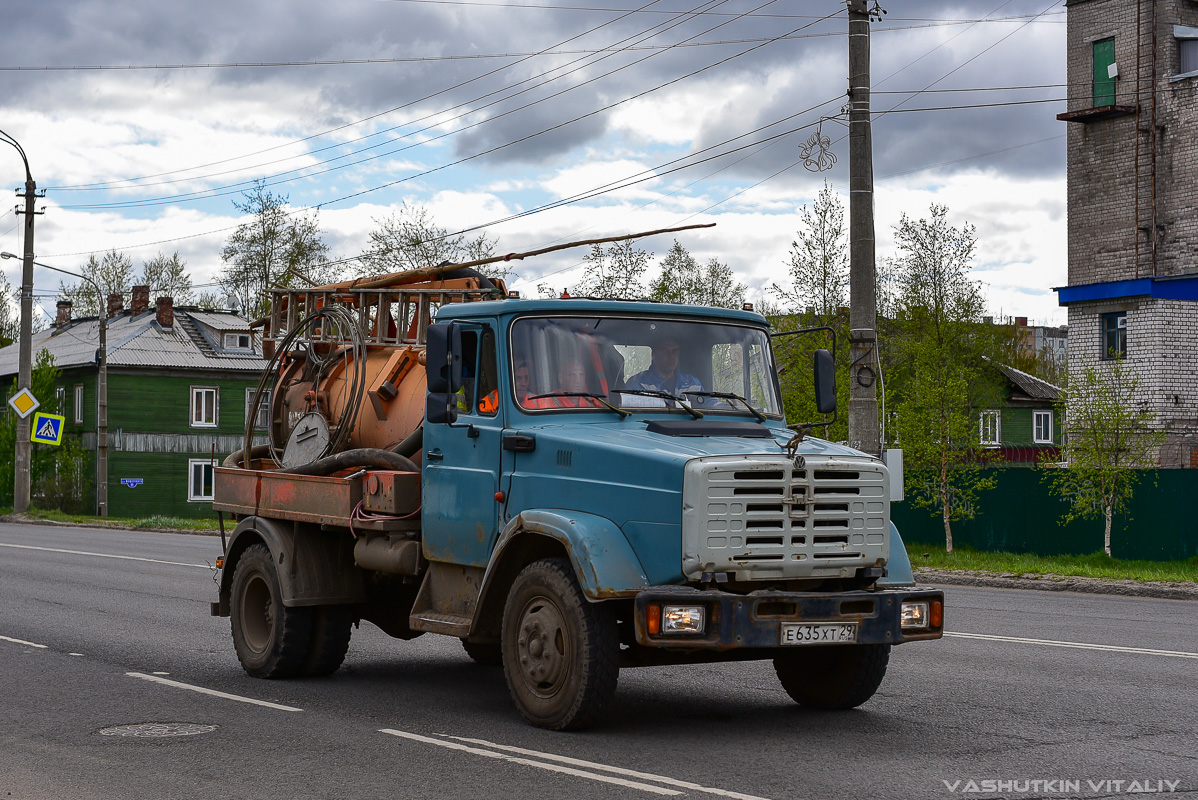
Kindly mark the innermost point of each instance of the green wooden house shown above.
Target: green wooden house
(180, 383)
(1026, 429)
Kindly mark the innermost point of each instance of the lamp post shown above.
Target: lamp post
(25, 363)
(101, 388)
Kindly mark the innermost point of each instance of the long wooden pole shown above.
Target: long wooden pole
(425, 273)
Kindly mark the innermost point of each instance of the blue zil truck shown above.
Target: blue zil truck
(569, 486)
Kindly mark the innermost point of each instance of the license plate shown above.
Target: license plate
(819, 633)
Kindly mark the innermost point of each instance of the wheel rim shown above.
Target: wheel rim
(543, 645)
(257, 614)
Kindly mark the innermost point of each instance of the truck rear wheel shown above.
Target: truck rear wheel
(332, 627)
(560, 652)
(837, 677)
(271, 640)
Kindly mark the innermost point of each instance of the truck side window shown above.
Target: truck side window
(488, 377)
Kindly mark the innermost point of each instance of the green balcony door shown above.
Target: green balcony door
(1104, 84)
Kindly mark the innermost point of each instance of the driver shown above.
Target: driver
(663, 374)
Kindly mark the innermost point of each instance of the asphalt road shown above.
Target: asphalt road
(1063, 695)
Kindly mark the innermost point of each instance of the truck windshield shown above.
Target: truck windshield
(585, 363)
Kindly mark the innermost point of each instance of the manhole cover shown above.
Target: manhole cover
(157, 729)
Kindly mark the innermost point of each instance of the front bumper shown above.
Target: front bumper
(755, 620)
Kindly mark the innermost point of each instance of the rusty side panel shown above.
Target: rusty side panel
(301, 498)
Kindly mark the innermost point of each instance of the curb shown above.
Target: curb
(1061, 583)
(18, 519)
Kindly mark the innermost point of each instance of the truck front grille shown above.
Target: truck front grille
(764, 517)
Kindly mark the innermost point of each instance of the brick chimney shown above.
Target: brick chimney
(63, 317)
(116, 304)
(141, 300)
(166, 312)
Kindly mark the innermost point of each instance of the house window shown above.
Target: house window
(1187, 51)
(237, 341)
(199, 479)
(1042, 427)
(262, 413)
(79, 404)
(203, 406)
(1113, 335)
(989, 424)
(1104, 77)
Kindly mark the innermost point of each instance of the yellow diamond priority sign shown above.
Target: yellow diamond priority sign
(24, 403)
(47, 429)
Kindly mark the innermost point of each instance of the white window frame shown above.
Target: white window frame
(60, 394)
(79, 404)
(199, 392)
(996, 417)
(206, 465)
(236, 341)
(1042, 434)
(262, 416)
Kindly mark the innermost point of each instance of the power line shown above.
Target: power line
(217, 191)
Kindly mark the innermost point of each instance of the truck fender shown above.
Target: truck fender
(898, 568)
(312, 567)
(603, 560)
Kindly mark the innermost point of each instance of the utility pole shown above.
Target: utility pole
(863, 301)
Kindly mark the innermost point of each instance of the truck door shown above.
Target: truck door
(461, 462)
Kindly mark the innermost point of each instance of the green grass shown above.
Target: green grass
(158, 521)
(1094, 565)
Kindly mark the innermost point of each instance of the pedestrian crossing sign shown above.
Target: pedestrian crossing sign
(47, 428)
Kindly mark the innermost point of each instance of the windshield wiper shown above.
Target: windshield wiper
(598, 397)
(665, 396)
(732, 396)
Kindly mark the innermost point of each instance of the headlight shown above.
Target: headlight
(682, 619)
(914, 615)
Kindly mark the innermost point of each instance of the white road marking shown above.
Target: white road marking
(212, 692)
(644, 787)
(104, 555)
(1079, 645)
(618, 770)
(21, 641)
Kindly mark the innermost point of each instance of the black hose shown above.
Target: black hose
(361, 457)
(411, 443)
(466, 272)
(256, 452)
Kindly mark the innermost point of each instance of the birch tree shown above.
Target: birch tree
(819, 259)
(1109, 438)
(410, 239)
(940, 379)
(684, 280)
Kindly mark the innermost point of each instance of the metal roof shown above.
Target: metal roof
(1030, 385)
(219, 320)
(139, 342)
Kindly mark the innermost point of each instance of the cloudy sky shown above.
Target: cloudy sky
(145, 121)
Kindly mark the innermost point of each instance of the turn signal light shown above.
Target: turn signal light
(220, 562)
(937, 615)
(653, 619)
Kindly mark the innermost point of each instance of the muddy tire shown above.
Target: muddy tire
(271, 640)
(332, 627)
(486, 653)
(561, 653)
(833, 678)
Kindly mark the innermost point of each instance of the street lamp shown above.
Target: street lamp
(101, 389)
(20, 500)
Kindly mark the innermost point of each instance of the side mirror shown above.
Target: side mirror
(443, 364)
(825, 382)
(443, 358)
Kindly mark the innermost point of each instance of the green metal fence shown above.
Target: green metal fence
(1020, 515)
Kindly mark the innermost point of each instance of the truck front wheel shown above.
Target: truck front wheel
(836, 677)
(272, 641)
(560, 652)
